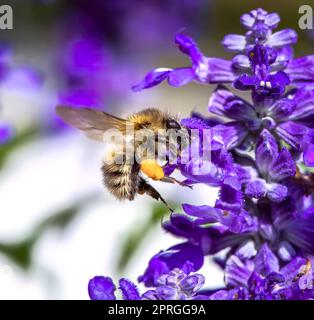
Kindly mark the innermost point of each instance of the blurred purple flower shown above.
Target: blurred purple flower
(6, 132)
(17, 78)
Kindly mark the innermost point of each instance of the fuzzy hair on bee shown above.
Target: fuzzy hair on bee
(124, 180)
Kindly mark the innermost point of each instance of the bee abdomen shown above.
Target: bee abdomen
(121, 180)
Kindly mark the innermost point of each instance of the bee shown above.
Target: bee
(125, 180)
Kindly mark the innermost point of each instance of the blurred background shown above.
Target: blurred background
(58, 226)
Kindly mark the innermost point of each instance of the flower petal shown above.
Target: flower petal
(229, 135)
(247, 250)
(301, 231)
(246, 82)
(304, 106)
(223, 102)
(183, 226)
(283, 109)
(174, 257)
(156, 268)
(266, 151)
(241, 63)
(291, 270)
(286, 251)
(166, 293)
(283, 56)
(295, 134)
(229, 198)
(237, 273)
(101, 288)
(277, 192)
(153, 78)
(301, 70)
(192, 283)
(248, 19)
(180, 76)
(282, 38)
(203, 171)
(234, 42)
(214, 70)
(266, 261)
(279, 81)
(256, 189)
(283, 214)
(283, 167)
(196, 121)
(272, 20)
(225, 295)
(202, 212)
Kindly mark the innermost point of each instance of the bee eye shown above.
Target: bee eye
(172, 124)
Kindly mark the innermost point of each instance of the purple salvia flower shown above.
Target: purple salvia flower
(256, 153)
(203, 69)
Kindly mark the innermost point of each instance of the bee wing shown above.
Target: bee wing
(92, 122)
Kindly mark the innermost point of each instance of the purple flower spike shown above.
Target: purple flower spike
(266, 261)
(257, 155)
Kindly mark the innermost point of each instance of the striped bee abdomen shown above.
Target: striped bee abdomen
(121, 180)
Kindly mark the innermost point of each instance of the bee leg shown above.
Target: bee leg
(173, 180)
(144, 187)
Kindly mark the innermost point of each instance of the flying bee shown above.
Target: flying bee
(124, 179)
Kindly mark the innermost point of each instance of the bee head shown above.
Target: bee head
(172, 124)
